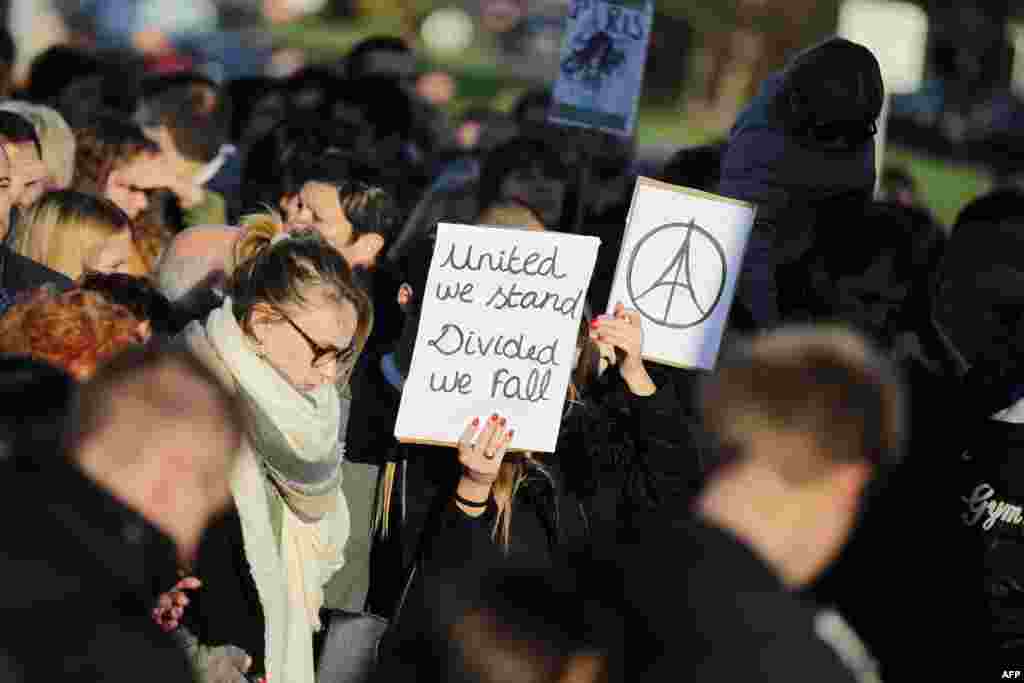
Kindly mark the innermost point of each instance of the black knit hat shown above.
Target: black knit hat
(832, 90)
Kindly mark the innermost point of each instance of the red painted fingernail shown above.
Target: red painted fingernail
(476, 421)
(511, 432)
(494, 417)
(594, 323)
(501, 422)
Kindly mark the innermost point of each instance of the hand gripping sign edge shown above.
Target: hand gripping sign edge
(684, 253)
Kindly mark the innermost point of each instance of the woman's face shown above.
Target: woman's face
(533, 187)
(116, 254)
(319, 206)
(328, 323)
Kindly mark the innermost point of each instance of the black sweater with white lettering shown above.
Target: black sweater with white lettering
(993, 508)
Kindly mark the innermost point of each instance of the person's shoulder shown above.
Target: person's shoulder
(93, 645)
(23, 273)
(790, 654)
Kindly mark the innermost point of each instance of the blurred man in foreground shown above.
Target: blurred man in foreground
(804, 419)
(97, 531)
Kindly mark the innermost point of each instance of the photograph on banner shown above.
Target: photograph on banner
(498, 328)
(681, 256)
(601, 65)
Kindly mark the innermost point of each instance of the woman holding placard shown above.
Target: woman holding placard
(620, 456)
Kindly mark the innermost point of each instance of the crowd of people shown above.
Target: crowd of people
(209, 299)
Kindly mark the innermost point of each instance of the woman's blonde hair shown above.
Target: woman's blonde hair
(56, 139)
(275, 267)
(63, 227)
(151, 241)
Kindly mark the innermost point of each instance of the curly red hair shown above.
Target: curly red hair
(76, 331)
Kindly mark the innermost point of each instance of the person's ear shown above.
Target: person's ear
(260, 319)
(145, 330)
(405, 294)
(849, 481)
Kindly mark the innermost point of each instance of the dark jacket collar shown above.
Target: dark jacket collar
(18, 273)
(721, 551)
(110, 540)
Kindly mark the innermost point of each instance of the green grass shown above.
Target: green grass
(946, 187)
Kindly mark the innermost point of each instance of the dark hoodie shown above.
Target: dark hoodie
(802, 143)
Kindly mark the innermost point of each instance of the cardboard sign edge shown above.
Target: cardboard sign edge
(679, 189)
(401, 400)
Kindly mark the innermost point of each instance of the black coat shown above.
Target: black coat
(83, 573)
(227, 609)
(18, 273)
(711, 610)
(909, 566)
(612, 473)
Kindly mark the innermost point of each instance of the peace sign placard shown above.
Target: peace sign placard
(680, 260)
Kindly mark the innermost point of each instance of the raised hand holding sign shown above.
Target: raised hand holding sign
(681, 255)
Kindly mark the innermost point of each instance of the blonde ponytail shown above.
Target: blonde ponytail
(258, 232)
(268, 269)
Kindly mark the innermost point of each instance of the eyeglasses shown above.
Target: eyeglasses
(321, 353)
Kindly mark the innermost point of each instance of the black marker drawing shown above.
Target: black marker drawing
(593, 59)
(694, 305)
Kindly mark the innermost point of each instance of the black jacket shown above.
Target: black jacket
(83, 573)
(711, 610)
(227, 609)
(18, 273)
(909, 565)
(611, 474)
(992, 508)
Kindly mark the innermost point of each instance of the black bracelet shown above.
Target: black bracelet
(472, 503)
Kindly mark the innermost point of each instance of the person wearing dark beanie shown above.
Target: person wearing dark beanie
(802, 146)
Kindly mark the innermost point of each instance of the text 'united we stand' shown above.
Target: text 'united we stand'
(529, 282)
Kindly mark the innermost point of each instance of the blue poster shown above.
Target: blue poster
(601, 65)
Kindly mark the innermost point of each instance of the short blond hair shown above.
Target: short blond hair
(823, 382)
(56, 138)
(62, 227)
(511, 214)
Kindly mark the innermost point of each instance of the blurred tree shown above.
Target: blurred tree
(743, 42)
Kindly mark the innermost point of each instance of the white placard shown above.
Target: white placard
(601, 64)
(896, 32)
(498, 328)
(680, 261)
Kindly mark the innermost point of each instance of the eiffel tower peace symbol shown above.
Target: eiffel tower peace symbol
(689, 285)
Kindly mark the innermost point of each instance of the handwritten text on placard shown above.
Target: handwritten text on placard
(497, 333)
